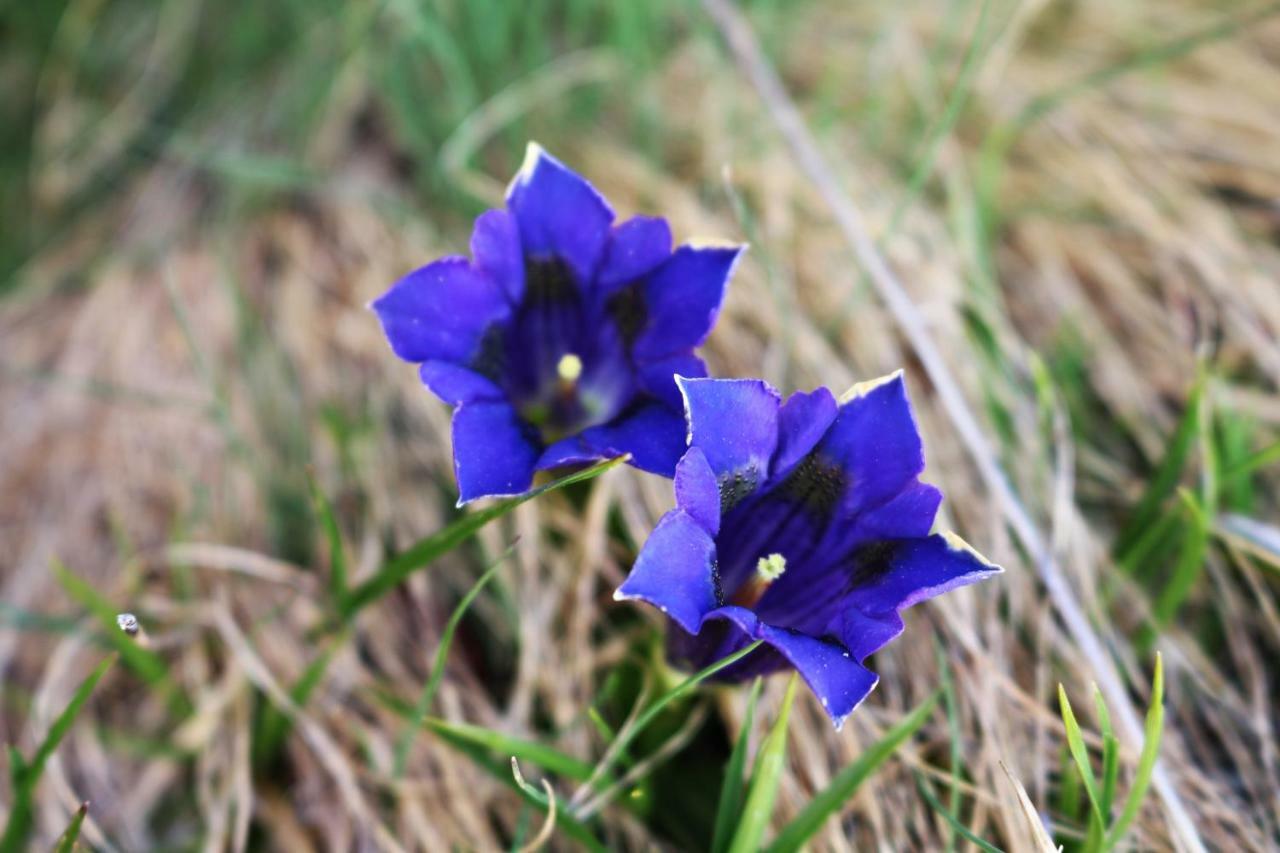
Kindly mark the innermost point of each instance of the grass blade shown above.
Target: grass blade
(1080, 754)
(399, 567)
(149, 666)
(836, 794)
(1165, 478)
(333, 534)
(1146, 761)
(437, 665)
(1110, 753)
(533, 752)
(67, 840)
(734, 786)
(26, 774)
(932, 799)
(764, 781)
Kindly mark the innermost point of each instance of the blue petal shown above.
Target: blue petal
(864, 635)
(635, 247)
(908, 515)
(697, 492)
(457, 385)
(440, 311)
(560, 214)
(839, 681)
(659, 377)
(492, 451)
(652, 433)
(893, 575)
(802, 421)
(735, 423)
(875, 440)
(495, 248)
(567, 451)
(682, 299)
(675, 571)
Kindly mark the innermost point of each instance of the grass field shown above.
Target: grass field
(201, 423)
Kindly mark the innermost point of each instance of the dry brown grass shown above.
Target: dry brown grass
(1143, 215)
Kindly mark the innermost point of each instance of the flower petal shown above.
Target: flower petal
(839, 681)
(682, 299)
(635, 247)
(440, 311)
(495, 247)
(697, 492)
(493, 454)
(659, 377)
(567, 451)
(457, 385)
(652, 433)
(675, 571)
(735, 423)
(875, 440)
(892, 576)
(802, 421)
(559, 213)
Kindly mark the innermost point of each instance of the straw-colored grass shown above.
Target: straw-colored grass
(168, 374)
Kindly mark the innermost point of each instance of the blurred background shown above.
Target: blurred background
(197, 200)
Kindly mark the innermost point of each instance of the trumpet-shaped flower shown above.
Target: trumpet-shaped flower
(802, 524)
(559, 339)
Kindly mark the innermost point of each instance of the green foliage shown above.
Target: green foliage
(67, 840)
(829, 801)
(25, 774)
(437, 665)
(418, 556)
(729, 809)
(1104, 833)
(770, 762)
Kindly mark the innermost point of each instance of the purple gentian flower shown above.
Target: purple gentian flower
(559, 339)
(802, 524)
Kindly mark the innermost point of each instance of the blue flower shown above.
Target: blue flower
(559, 339)
(802, 524)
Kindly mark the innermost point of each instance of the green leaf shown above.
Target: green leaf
(952, 820)
(1165, 478)
(836, 794)
(437, 666)
(148, 665)
(26, 774)
(1190, 563)
(67, 840)
(337, 552)
(417, 556)
(501, 771)
(764, 781)
(1110, 753)
(533, 752)
(734, 786)
(1080, 754)
(274, 725)
(1146, 761)
(642, 722)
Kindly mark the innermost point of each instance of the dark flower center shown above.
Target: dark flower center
(554, 359)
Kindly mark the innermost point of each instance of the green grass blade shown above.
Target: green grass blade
(399, 567)
(148, 665)
(1146, 761)
(501, 770)
(620, 744)
(437, 666)
(1165, 479)
(507, 746)
(67, 840)
(952, 821)
(734, 786)
(26, 774)
(1189, 565)
(274, 725)
(1080, 754)
(333, 534)
(1110, 753)
(836, 794)
(764, 781)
